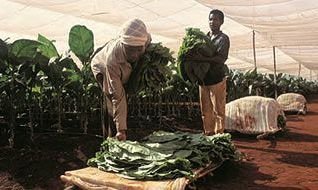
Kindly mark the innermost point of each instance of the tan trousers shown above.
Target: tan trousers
(212, 102)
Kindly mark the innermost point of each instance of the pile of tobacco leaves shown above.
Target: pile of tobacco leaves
(195, 54)
(152, 71)
(164, 155)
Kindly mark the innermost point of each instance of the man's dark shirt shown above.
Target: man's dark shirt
(217, 69)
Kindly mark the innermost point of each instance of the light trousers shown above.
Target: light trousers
(212, 103)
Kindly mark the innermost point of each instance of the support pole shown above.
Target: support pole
(254, 51)
(275, 79)
(299, 69)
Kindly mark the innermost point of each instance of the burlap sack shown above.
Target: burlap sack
(91, 178)
(293, 102)
(252, 115)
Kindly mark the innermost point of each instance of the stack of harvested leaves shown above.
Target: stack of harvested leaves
(195, 55)
(164, 155)
(151, 72)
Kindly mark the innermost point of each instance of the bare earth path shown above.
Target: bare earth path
(289, 161)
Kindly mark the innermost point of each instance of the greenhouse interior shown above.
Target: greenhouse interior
(149, 94)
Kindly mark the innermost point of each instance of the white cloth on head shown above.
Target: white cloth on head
(134, 33)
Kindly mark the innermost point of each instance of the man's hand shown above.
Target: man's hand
(121, 135)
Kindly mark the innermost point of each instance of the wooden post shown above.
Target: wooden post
(254, 51)
(275, 80)
(299, 69)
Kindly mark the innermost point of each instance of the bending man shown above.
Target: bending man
(112, 68)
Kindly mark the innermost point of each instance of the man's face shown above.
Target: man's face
(215, 22)
(133, 53)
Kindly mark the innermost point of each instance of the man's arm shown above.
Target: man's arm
(221, 56)
(222, 50)
(98, 67)
(118, 98)
(218, 59)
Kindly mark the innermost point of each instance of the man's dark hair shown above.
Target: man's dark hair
(217, 13)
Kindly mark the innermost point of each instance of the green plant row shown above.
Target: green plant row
(37, 80)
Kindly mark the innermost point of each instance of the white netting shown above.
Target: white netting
(290, 25)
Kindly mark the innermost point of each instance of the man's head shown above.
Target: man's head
(216, 19)
(134, 37)
(133, 53)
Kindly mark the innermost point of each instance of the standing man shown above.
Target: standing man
(213, 88)
(112, 67)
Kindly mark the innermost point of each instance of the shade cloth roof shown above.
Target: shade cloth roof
(289, 25)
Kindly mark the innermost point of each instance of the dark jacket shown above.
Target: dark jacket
(218, 68)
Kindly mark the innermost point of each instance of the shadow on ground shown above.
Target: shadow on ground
(308, 160)
(229, 177)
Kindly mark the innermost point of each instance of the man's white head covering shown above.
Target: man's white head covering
(134, 33)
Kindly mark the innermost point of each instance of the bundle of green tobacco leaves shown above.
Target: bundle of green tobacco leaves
(164, 155)
(194, 56)
(151, 71)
